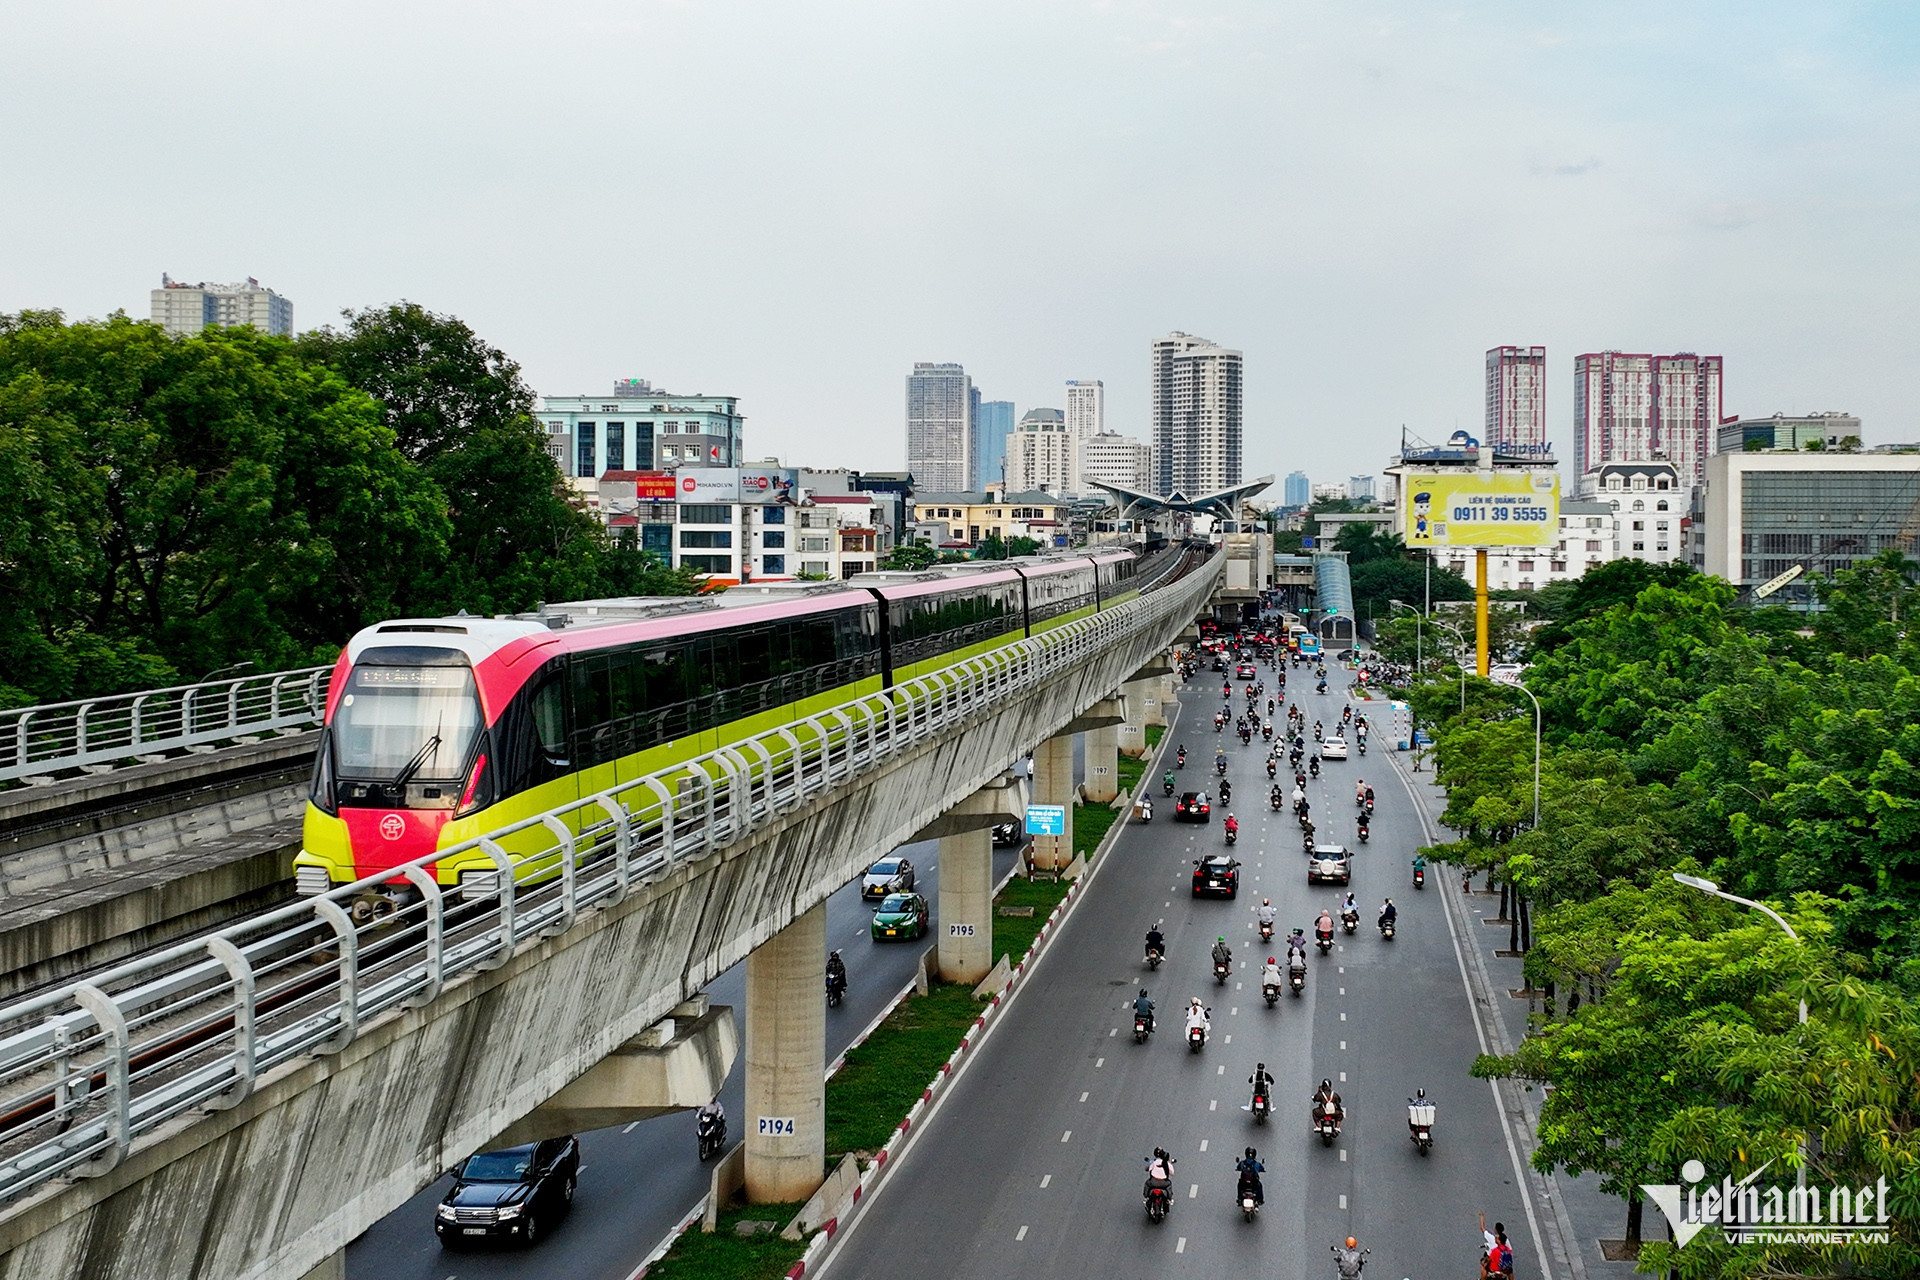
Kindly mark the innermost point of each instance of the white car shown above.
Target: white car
(889, 875)
(1329, 865)
(1333, 749)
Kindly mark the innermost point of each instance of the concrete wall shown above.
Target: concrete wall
(327, 1146)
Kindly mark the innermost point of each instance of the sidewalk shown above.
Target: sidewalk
(1584, 1215)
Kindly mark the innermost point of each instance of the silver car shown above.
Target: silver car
(1329, 864)
(889, 875)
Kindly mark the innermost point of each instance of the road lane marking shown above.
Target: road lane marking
(1343, 1077)
(1083, 1097)
(1343, 991)
(1229, 1041)
(1021, 1234)
(1193, 1192)
(630, 1128)
(1044, 1180)
(1343, 1202)
(1343, 969)
(1214, 1105)
(1221, 1069)
(1203, 1144)
(1343, 1017)
(1343, 1155)
(1113, 1033)
(1343, 1046)
(1180, 1245)
(1066, 1135)
(1233, 1011)
(1099, 1062)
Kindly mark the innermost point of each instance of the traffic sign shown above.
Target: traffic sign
(1046, 820)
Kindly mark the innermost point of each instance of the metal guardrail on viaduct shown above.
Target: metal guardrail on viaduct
(244, 1104)
(94, 731)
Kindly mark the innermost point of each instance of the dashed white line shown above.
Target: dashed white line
(1111, 1034)
(1343, 1077)
(1233, 1012)
(1203, 1144)
(1044, 1180)
(1180, 1245)
(1342, 968)
(1021, 1234)
(1343, 1202)
(1343, 991)
(1099, 1062)
(1083, 1097)
(1214, 1105)
(630, 1128)
(1066, 1135)
(1220, 1070)
(1343, 1017)
(1343, 1155)
(1193, 1192)
(1343, 1046)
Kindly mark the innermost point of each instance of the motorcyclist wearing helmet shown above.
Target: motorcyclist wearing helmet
(1222, 953)
(1296, 946)
(1156, 941)
(1232, 824)
(1250, 1168)
(1270, 974)
(1143, 1008)
(1388, 912)
(1266, 912)
(1326, 1101)
(1349, 1260)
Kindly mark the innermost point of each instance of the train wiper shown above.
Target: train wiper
(413, 766)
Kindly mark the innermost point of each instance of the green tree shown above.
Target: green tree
(1870, 607)
(909, 557)
(992, 547)
(1601, 588)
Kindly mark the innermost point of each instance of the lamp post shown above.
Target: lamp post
(1460, 644)
(1418, 630)
(1707, 886)
(1514, 681)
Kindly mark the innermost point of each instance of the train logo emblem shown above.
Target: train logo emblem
(393, 826)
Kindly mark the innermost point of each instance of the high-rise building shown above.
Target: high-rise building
(992, 424)
(1299, 490)
(1086, 408)
(1516, 397)
(1196, 415)
(1360, 488)
(182, 308)
(1042, 454)
(1645, 408)
(1116, 459)
(939, 426)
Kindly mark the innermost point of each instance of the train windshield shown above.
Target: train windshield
(398, 724)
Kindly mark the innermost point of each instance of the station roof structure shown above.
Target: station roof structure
(1224, 503)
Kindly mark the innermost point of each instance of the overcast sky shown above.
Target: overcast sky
(794, 202)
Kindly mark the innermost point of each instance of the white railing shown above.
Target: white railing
(88, 1068)
(66, 735)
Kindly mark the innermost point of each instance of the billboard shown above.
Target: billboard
(735, 484)
(1477, 509)
(654, 486)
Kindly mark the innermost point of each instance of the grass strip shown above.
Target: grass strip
(884, 1077)
(727, 1256)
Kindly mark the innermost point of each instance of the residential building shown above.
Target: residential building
(640, 428)
(1360, 488)
(1643, 408)
(181, 308)
(939, 424)
(1787, 431)
(1196, 413)
(1330, 490)
(992, 424)
(1765, 513)
(1652, 502)
(1298, 491)
(1042, 455)
(1116, 459)
(1086, 410)
(971, 517)
(1331, 523)
(1516, 418)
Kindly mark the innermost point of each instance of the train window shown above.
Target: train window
(755, 650)
(550, 719)
(591, 702)
(625, 690)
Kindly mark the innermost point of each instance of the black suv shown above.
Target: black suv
(1218, 876)
(515, 1194)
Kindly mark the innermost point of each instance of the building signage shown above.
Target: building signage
(654, 486)
(1518, 508)
(1046, 820)
(735, 484)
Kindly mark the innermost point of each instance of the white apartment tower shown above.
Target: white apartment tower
(1041, 454)
(939, 426)
(182, 308)
(1645, 408)
(1516, 398)
(1116, 459)
(1196, 415)
(1086, 408)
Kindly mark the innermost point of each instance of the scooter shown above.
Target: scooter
(711, 1130)
(1142, 1028)
(1166, 787)
(1363, 831)
(1249, 1206)
(1181, 759)
(1297, 977)
(1328, 1127)
(1266, 931)
(1323, 938)
(836, 988)
(1420, 1124)
(1260, 1108)
(1349, 919)
(1154, 957)
(1196, 1037)
(1158, 1202)
(1271, 993)
(1233, 836)
(1363, 746)
(1386, 928)
(1419, 877)
(1220, 766)
(1275, 800)
(1220, 971)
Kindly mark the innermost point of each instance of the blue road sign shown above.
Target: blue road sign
(1046, 820)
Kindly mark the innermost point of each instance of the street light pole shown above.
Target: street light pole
(1515, 682)
(1707, 886)
(1418, 631)
(1460, 644)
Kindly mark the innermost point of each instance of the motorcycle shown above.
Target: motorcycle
(1196, 1038)
(1323, 938)
(1158, 1199)
(1363, 746)
(1233, 836)
(1386, 928)
(1273, 767)
(1349, 919)
(1274, 799)
(1347, 1265)
(1166, 786)
(1146, 809)
(1261, 1108)
(1220, 971)
(1181, 759)
(836, 988)
(1142, 1028)
(711, 1130)
(1270, 992)
(1328, 1127)
(1266, 931)
(1419, 877)
(1420, 1124)
(1297, 977)
(1220, 766)
(1267, 732)
(1246, 735)
(1154, 957)
(1369, 806)
(1226, 793)
(1314, 767)
(1249, 1205)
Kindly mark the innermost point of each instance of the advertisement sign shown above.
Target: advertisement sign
(735, 484)
(1475, 509)
(654, 486)
(1046, 820)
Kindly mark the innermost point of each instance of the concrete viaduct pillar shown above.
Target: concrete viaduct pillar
(1053, 784)
(1103, 772)
(786, 1113)
(965, 833)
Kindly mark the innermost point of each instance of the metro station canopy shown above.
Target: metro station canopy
(1223, 503)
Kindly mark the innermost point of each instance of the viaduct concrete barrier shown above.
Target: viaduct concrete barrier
(410, 1067)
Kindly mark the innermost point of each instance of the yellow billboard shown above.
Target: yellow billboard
(1478, 509)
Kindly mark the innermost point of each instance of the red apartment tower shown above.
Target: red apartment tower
(1645, 408)
(1517, 398)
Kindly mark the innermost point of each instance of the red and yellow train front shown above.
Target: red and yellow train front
(403, 763)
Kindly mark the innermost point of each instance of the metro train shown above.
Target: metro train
(440, 730)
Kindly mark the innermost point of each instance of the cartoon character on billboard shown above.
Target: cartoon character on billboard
(1422, 521)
